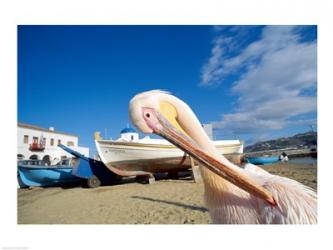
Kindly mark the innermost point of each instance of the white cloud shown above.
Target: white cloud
(277, 69)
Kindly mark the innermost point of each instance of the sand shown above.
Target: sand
(166, 201)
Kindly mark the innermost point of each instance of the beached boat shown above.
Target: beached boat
(93, 171)
(80, 167)
(263, 160)
(38, 173)
(131, 156)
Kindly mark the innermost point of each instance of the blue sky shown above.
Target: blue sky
(251, 82)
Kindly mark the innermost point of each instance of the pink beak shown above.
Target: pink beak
(164, 128)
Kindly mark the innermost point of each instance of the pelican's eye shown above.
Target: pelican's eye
(148, 114)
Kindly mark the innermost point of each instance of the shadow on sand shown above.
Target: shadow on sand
(178, 204)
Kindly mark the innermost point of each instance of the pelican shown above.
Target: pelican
(233, 195)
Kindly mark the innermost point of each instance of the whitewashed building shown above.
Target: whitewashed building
(128, 134)
(41, 143)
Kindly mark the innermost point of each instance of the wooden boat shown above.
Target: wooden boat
(263, 160)
(78, 168)
(147, 156)
(37, 173)
(94, 172)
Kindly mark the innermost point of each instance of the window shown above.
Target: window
(52, 142)
(20, 157)
(59, 142)
(70, 143)
(35, 140)
(47, 160)
(33, 157)
(26, 139)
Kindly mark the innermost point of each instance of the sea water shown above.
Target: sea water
(303, 160)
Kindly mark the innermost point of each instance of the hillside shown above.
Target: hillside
(303, 140)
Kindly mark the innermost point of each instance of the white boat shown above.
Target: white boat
(129, 155)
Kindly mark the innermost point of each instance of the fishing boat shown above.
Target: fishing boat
(93, 171)
(33, 173)
(77, 168)
(263, 160)
(131, 156)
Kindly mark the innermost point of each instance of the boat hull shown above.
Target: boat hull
(263, 160)
(128, 159)
(44, 176)
(88, 168)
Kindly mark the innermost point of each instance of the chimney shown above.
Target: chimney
(51, 128)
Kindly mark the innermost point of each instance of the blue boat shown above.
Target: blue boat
(262, 160)
(79, 168)
(93, 171)
(33, 173)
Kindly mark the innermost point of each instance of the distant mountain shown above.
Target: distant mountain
(303, 140)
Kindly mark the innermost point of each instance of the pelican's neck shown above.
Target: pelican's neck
(213, 183)
(191, 124)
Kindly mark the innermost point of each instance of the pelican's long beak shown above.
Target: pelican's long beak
(177, 137)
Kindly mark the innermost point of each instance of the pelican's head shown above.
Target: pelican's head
(163, 114)
(147, 109)
(141, 106)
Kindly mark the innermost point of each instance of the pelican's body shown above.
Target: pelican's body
(228, 204)
(233, 195)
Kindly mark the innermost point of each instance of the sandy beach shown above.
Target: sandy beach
(167, 201)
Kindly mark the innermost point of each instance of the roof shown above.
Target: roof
(127, 130)
(24, 125)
